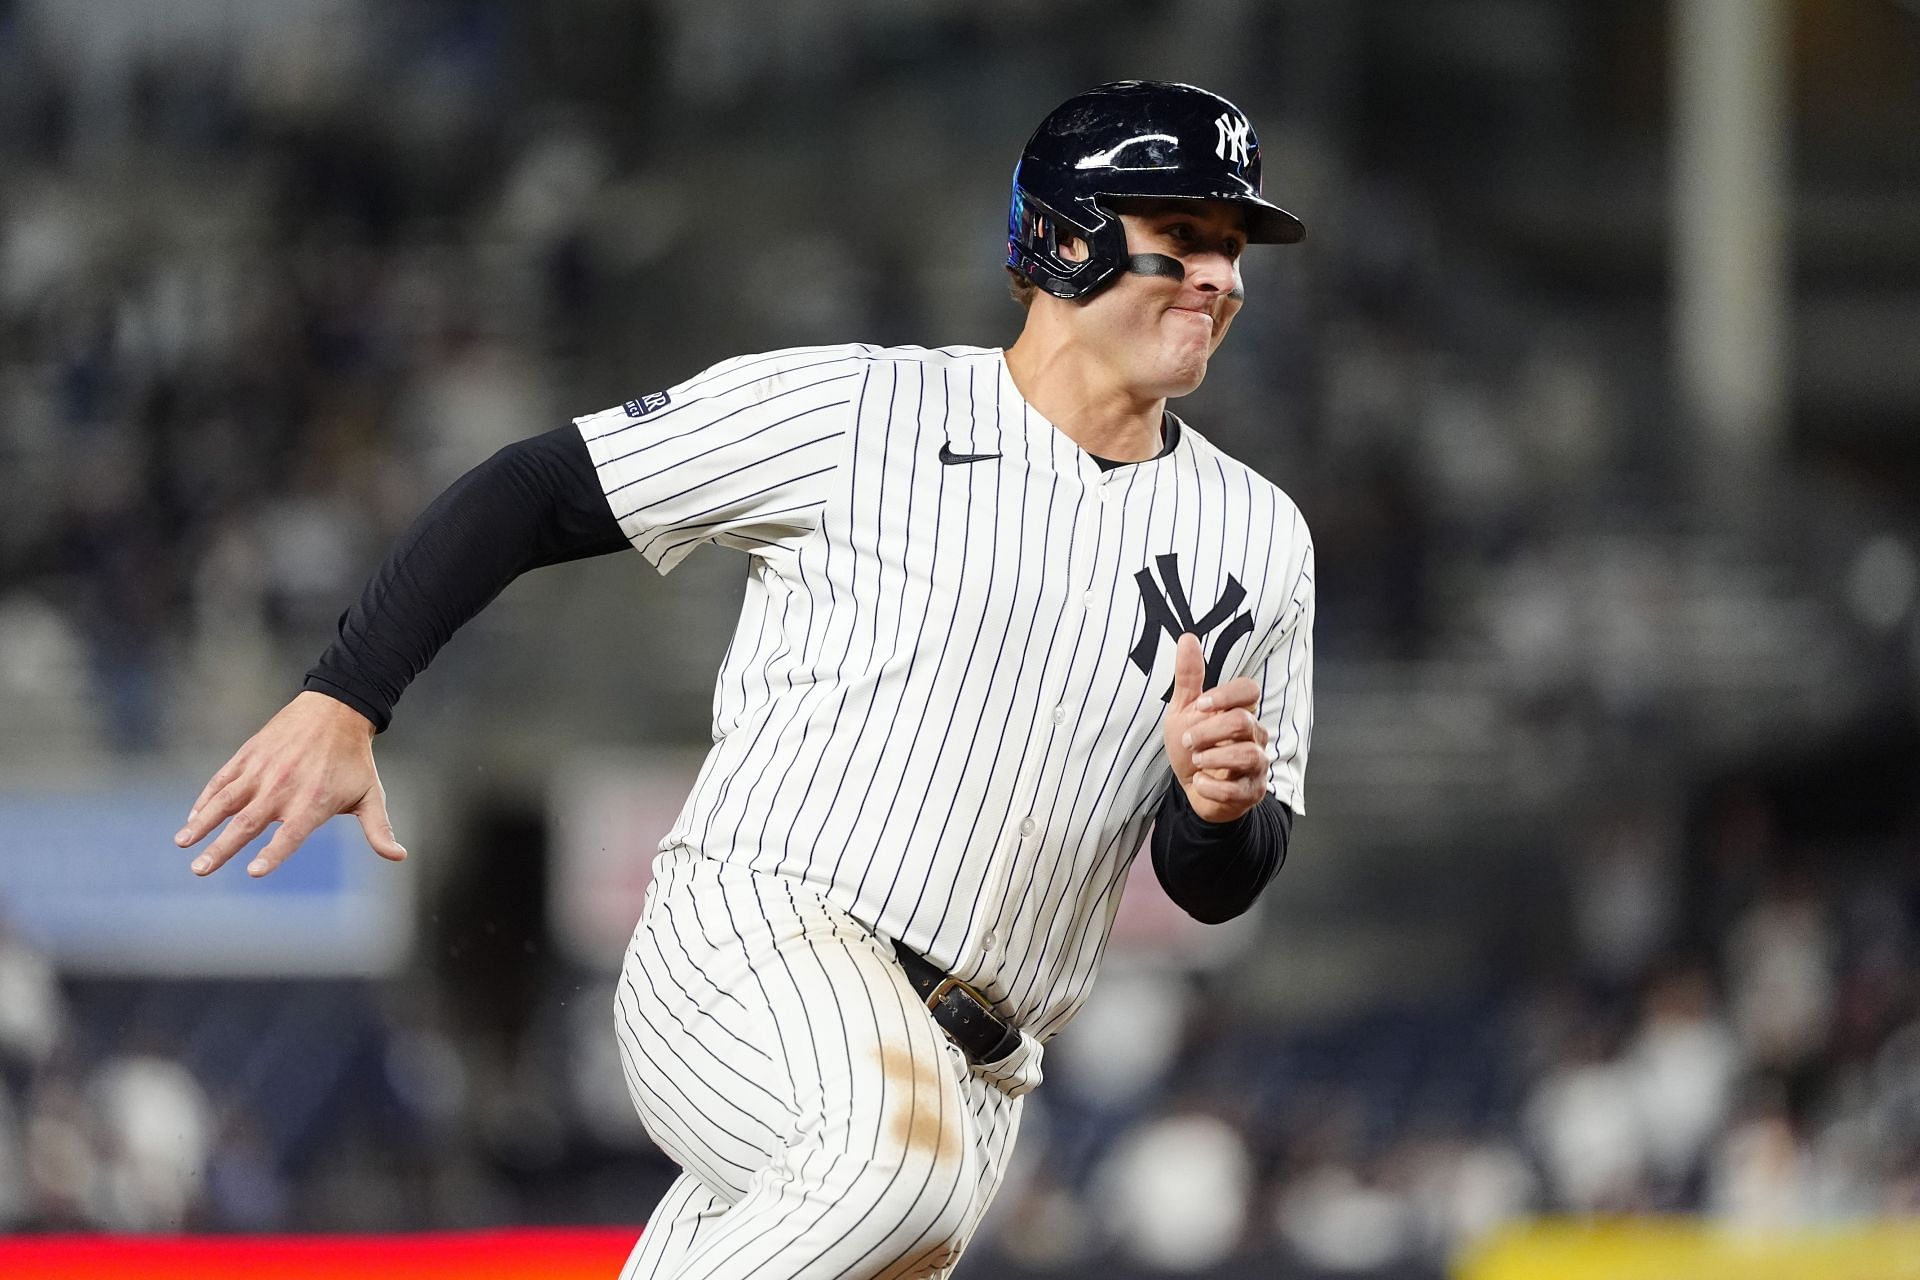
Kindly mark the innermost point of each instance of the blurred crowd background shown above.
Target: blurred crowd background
(1608, 900)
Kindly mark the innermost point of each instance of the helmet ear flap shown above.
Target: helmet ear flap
(1035, 230)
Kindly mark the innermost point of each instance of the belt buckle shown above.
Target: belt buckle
(950, 983)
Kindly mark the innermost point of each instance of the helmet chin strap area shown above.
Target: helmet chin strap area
(1159, 264)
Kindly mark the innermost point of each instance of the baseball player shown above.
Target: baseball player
(1004, 612)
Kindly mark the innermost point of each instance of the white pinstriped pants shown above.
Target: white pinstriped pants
(825, 1126)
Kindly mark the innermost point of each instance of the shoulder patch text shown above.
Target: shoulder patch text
(646, 404)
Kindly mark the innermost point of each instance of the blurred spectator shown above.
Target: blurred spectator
(1464, 1190)
(1176, 1191)
(1682, 1066)
(155, 1130)
(1762, 1176)
(1625, 894)
(1338, 1222)
(1583, 1117)
(30, 1008)
(1892, 1118)
(1125, 1037)
(1780, 959)
(63, 1167)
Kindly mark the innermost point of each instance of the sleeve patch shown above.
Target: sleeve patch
(647, 403)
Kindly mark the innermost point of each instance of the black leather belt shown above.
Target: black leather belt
(963, 1013)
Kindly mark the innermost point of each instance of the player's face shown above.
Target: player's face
(1159, 331)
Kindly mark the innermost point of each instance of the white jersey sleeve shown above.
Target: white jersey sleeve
(743, 454)
(1283, 667)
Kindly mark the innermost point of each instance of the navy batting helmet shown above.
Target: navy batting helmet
(1138, 138)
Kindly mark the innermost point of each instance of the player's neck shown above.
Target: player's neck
(1084, 399)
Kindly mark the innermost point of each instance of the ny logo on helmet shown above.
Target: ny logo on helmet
(1232, 144)
(1168, 611)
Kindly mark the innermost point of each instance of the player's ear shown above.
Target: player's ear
(1072, 247)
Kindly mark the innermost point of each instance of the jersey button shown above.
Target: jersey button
(989, 942)
(1026, 826)
(1087, 600)
(1059, 715)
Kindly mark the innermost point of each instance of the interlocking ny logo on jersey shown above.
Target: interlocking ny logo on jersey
(647, 403)
(1167, 611)
(1232, 144)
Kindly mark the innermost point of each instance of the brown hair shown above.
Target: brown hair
(1021, 289)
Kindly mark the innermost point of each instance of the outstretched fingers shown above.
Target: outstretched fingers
(293, 832)
(243, 827)
(223, 796)
(312, 760)
(225, 774)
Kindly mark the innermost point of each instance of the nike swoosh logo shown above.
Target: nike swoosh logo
(952, 459)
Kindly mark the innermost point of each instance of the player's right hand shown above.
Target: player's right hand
(313, 760)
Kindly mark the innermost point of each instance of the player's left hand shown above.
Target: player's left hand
(1217, 746)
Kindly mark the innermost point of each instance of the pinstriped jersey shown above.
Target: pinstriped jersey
(943, 702)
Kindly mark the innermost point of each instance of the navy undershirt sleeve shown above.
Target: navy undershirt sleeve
(536, 502)
(1214, 870)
